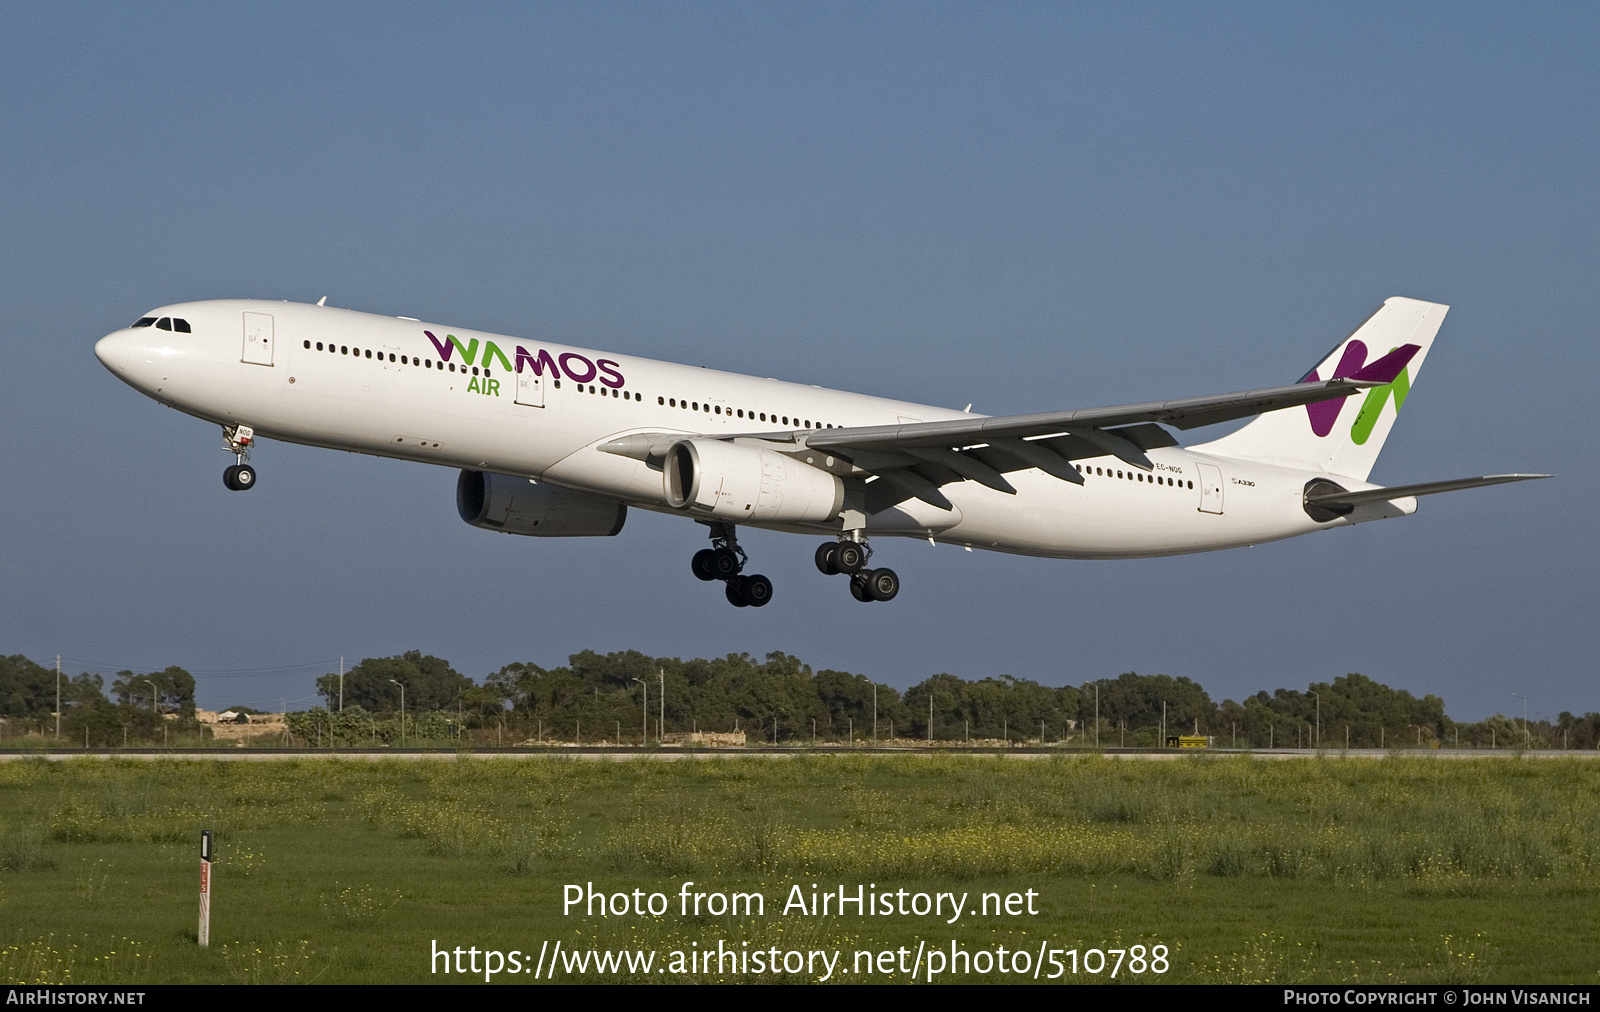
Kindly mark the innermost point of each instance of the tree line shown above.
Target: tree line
(597, 697)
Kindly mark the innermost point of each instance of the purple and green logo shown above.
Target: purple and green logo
(576, 367)
(1390, 370)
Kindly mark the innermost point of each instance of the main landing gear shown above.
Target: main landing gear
(850, 557)
(240, 476)
(725, 561)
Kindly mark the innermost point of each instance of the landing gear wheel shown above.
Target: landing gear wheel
(883, 584)
(859, 589)
(827, 556)
(725, 563)
(704, 565)
(849, 556)
(757, 589)
(736, 593)
(238, 477)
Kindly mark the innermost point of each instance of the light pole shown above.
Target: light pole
(1516, 694)
(152, 693)
(661, 725)
(644, 733)
(1314, 692)
(341, 685)
(402, 710)
(1096, 714)
(874, 713)
(58, 698)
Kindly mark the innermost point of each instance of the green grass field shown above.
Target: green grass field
(1398, 870)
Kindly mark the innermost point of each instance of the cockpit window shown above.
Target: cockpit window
(144, 321)
(181, 326)
(165, 323)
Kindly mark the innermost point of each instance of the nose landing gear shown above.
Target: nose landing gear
(241, 476)
(850, 558)
(725, 561)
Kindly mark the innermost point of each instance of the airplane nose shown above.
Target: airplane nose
(112, 351)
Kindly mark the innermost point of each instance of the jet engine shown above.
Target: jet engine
(500, 502)
(732, 482)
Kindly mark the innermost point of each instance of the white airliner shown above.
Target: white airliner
(556, 441)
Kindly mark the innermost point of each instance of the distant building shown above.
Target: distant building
(711, 739)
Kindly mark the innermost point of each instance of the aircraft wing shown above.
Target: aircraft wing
(1186, 413)
(914, 459)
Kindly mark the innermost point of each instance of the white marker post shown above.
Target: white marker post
(205, 888)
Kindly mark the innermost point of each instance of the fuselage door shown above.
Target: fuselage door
(530, 388)
(1210, 488)
(257, 339)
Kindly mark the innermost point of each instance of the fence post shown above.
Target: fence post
(205, 888)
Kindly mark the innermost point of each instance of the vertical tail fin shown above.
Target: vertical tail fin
(1344, 436)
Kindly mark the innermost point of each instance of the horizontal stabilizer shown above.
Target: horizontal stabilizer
(1406, 491)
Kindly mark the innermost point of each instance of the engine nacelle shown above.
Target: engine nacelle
(500, 502)
(731, 482)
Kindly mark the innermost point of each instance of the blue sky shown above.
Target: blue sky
(1025, 207)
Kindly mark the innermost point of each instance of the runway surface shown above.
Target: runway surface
(652, 754)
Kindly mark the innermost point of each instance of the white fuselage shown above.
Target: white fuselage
(381, 385)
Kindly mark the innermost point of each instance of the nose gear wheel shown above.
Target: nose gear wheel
(240, 476)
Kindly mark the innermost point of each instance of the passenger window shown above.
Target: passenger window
(144, 321)
(474, 370)
(181, 326)
(308, 345)
(391, 356)
(165, 323)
